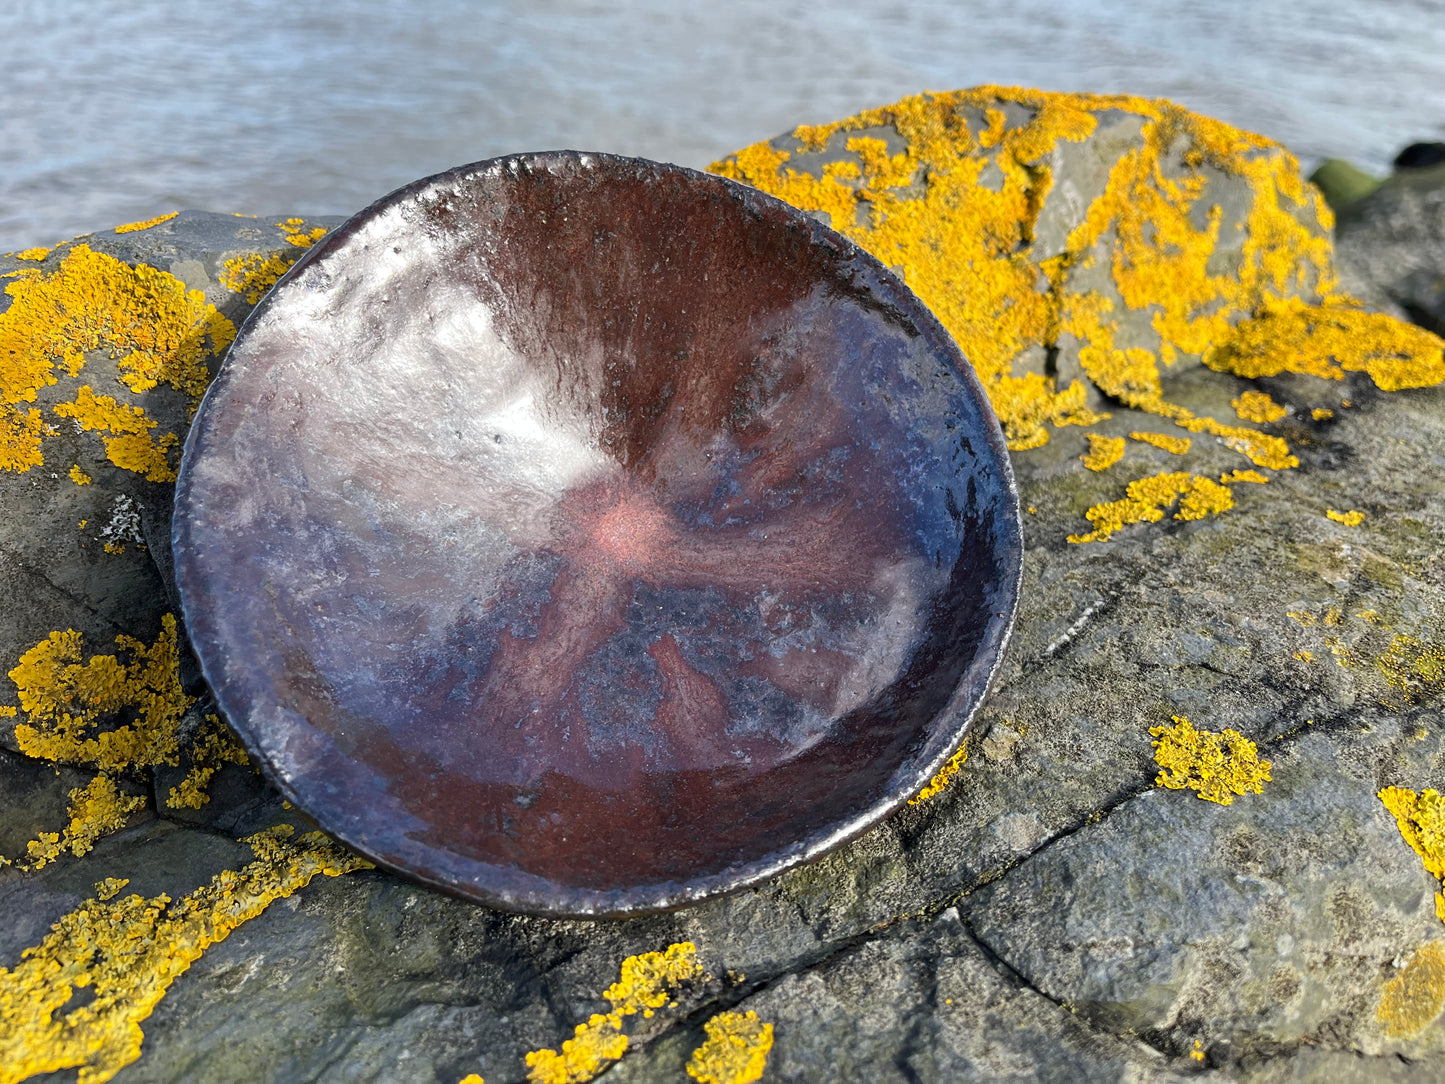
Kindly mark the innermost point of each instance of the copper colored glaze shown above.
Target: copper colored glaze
(585, 535)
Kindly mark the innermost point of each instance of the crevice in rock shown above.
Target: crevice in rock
(1022, 982)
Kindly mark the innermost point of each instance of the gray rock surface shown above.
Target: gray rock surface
(1051, 915)
(1393, 242)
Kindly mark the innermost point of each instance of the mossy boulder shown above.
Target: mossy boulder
(1053, 911)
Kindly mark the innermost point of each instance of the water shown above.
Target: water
(116, 110)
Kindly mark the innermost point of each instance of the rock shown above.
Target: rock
(1420, 156)
(1052, 913)
(1393, 241)
(1342, 182)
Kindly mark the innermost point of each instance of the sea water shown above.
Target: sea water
(116, 110)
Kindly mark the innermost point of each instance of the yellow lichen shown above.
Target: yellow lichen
(159, 332)
(1305, 656)
(1215, 766)
(1257, 406)
(1198, 1052)
(109, 715)
(1244, 476)
(1321, 414)
(1414, 998)
(128, 951)
(472, 1078)
(1149, 498)
(1349, 519)
(735, 1051)
(132, 227)
(37, 253)
(79, 477)
(109, 888)
(941, 778)
(67, 704)
(1328, 341)
(128, 444)
(96, 809)
(1103, 452)
(255, 274)
(1412, 666)
(215, 747)
(297, 234)
(963, 212)
(648, 982)
(1421, 820)
(1172, 445)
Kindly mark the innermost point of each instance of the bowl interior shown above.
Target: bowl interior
(587, 535)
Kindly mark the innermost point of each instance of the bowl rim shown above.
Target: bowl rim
(956, 716)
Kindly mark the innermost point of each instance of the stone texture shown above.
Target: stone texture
(1051, 915)
(1393, 242)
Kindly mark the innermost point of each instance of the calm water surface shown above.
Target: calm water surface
(116, 111)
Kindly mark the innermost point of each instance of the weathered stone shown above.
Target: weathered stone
(1393, 241)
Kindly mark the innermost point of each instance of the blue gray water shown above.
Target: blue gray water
(115, 110)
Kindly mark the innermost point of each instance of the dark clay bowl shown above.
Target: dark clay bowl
(586, 536)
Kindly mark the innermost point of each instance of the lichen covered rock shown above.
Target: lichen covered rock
(1051, 908)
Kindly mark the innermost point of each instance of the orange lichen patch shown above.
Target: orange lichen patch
(1421, 820)
(735, 1051)
(215, 747)
(67, 702)
(132, 227)
(1257, 406)
(1414, 998)
(941, 778)
(128, 951)
(96, 809)
(1349, 519)
(37, 253)
(1244, 476)
(160, 332)
(1149, 498)
(1103, 452)
(1215, 766)
(79, 477)
(648, 982)
(255, 274)
(128, 444)
(964, 212)
(1172, 445)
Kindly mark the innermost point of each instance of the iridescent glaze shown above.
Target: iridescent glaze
(586, 535)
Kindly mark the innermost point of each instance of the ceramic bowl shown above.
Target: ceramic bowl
(584, 535)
